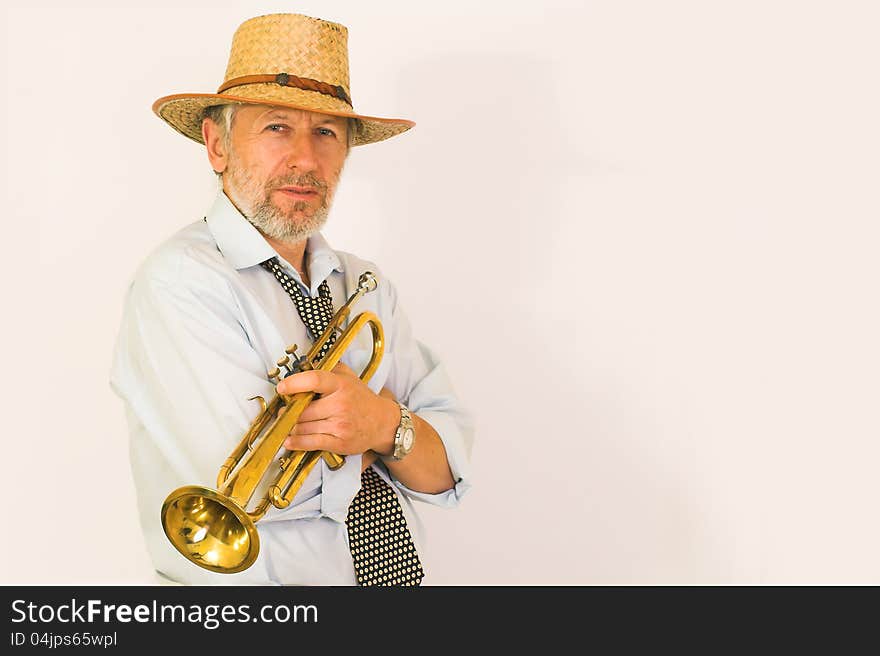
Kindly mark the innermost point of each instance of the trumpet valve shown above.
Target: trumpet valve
(284, 364)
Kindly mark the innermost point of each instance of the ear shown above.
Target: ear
(217, 155)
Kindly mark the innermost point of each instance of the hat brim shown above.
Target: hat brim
(184, 112)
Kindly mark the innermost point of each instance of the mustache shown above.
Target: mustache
(304, 180)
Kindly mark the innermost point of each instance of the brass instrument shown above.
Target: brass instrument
(213, 528)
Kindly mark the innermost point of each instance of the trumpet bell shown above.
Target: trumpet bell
(210, 529)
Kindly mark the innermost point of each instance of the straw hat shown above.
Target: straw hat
(288, 60)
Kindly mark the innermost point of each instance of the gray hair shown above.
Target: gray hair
(354, 126)
(223, 116)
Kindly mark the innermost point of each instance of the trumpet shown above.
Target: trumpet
(213, 527)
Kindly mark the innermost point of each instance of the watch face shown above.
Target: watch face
(407, 439)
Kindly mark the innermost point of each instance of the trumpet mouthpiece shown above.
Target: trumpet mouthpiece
(367, 281)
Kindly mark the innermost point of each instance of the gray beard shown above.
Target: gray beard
(269, 220)
(265, 216)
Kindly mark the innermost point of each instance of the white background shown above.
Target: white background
(643, 236)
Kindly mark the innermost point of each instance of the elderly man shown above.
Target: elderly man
(210, 311)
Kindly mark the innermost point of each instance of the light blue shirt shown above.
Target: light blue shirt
(202, 325)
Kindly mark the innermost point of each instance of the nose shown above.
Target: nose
(302, 154)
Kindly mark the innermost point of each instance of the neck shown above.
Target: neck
(295, 253)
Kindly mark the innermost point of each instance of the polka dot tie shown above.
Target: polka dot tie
(380, 542)
(381, 545)
(316, 313)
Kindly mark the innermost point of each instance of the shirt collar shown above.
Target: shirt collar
(243, 246)
(322, 260)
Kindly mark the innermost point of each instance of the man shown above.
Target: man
(212, 309)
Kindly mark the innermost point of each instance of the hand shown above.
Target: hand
(347, 418)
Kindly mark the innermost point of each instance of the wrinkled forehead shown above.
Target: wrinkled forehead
(273, 112)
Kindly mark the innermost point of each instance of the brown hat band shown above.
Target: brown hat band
(286, 80)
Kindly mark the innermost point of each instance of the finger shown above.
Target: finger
(319, 408)
(318, 381)
(322, 426)
(319, 442)
(312, 442)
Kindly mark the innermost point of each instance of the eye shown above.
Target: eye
(326, 132)
(276, 127)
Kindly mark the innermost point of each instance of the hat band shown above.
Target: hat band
(286, 80)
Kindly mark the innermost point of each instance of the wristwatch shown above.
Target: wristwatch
(405, 436)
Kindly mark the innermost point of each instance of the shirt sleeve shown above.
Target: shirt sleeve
(420, 381)
(185, 370)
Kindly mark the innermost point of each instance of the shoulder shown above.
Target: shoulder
(186, 256)
(187, 266)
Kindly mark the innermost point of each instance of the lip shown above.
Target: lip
(299, 192)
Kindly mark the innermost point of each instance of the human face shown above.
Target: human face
(282, 168)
